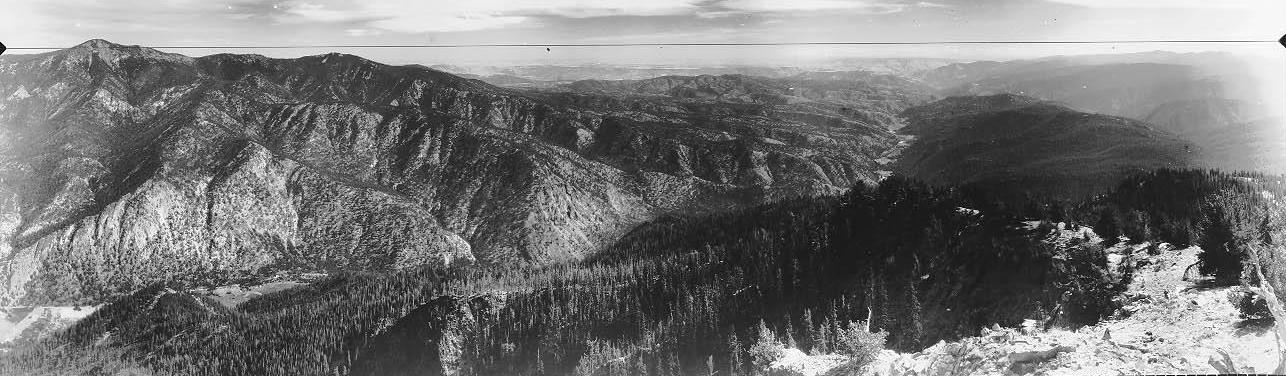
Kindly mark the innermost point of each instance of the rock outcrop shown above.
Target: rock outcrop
(794, 362)
(1171, 326)
(431, 340)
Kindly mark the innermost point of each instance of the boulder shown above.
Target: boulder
(1036, 356)
(794, 362)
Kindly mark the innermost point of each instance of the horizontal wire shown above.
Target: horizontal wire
(689, 44)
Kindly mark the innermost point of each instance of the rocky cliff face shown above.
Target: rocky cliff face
(122, 165)
(434, 339)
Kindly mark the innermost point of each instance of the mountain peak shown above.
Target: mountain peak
(97, 44)
(113, 51)
(337, 57)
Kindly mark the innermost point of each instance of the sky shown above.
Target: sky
(534, 25)
(242, 23)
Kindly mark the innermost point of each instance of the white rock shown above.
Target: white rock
(794, 362)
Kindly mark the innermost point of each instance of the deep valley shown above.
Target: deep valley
(235, 214)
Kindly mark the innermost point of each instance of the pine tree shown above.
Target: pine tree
(821, 342)
(1058, 212)
(734, 352)
(766, 348)
(1108, 227)
(1266, 231)
(810, 331)
(915, 330)
(790, 333)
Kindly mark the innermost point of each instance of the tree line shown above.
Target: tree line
(694, 294)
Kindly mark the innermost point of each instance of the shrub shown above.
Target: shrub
(1090, 287)
(600, 358)
(766, 349)
(860, 345)
(1251, 305)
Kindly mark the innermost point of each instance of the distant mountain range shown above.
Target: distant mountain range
(238, 214)
(570, 73)
(1218, 102)
(1014, 144)
(124, 165)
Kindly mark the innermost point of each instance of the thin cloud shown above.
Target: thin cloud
(323, 22)
(811, 5)
(727, 8)
(419, 17)
(1180, 4)
(310, 12)
(926, 4)
(362, 32)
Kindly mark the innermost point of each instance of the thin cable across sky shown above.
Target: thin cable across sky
(862, 43)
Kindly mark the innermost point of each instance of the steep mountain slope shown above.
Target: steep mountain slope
(679, 296)
(689, 295)
(21, 326)
(123, 165)
(1014, 144)
(1197, 115)
(825, 111)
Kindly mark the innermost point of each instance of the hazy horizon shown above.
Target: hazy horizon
(642, 188)
(246, 23)
(784, 55)
(1261, 60)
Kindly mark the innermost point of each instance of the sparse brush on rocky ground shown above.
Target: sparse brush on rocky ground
(749, 291)
(1169, 325)
(856, 348)
(1251, 305)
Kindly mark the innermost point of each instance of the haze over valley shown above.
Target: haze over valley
(673, 188)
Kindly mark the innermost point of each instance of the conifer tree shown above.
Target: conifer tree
(734, 353)
(1108, 227)
(789, 332)
(810, 331)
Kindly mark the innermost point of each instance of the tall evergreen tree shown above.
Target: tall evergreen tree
(735, 361)
(810, 331)
(1108, 226)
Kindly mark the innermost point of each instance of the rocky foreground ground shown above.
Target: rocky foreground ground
(1169, 325)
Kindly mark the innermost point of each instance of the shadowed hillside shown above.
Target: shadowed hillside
(124, 165)
(1020, 145)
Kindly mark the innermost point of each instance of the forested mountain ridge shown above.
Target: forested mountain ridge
(866, 98)
(124, 165)
(694, 294)
(675, 297)
(547, 76)
(677, 225)
(1025, 146)
(1223, 104)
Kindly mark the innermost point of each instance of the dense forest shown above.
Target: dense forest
(1223, 213)
(700, 294)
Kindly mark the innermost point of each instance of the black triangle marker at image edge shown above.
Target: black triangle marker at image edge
(1283, 40)
(2, 48)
